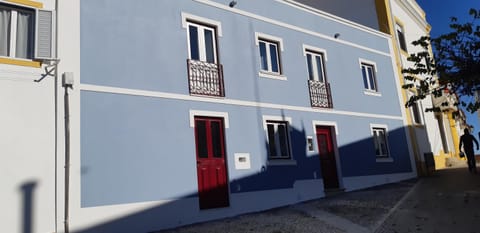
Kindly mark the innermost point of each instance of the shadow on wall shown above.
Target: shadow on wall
(355, 159)
(27, 190)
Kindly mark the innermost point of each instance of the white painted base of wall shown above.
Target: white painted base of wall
(154, 216)
(362, 182)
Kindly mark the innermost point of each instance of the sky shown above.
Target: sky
(438, 16)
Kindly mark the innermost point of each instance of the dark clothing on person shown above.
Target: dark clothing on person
(467, 141)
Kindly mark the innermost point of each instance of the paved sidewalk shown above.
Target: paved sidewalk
(448, 201)
(355, 212)
(444, 202)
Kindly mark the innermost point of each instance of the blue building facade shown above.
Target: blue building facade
(208, 110)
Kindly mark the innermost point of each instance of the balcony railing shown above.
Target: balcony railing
(320, 95)
(205, 78)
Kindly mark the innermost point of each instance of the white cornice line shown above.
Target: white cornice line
(293, 27)
(332, 17)
(164, 95)
(409, 9)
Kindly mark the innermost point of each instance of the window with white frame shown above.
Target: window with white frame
(401, 37)
(416, 113)
(269, 55)
(202, 41)
(26, 33)
(380, 140)
(17, 28)
(278, 139)
(315, 65)
(369, 78)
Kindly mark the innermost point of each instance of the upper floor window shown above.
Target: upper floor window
(416, 108)
(17, 36)
(380, 141)
(26, 33)
(401, 37)
(205, 73)
(315, 65)
(416, 113)
(269, 56)
(369, 78)
(269, 48)
(202, 42)
(319, 88)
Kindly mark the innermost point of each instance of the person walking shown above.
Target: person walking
(467, 141)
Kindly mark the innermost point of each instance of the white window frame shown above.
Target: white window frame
(382, 157)
(13, 30)
(201, 41)
(316, 52)
(43, 28)
(279, 160)
(399, 29)
(369, 90)
(417, 104)
(270, 40)
(202, 24)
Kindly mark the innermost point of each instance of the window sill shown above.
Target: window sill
(418, 125)
(28, 3)
(281, 162)
(20, 62)
(266, 74)
(384, 160)
(372, 93)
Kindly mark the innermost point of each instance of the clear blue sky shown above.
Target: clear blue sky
(438, 15)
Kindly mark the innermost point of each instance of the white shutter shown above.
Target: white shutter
(44, 35)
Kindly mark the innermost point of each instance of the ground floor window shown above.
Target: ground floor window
(380, 141)
(278, 140)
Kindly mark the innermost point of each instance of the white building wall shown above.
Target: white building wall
(27, 173)
(411, 17)
(27, 145)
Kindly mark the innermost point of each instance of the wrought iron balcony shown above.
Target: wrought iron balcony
(320, 94)
(205, 78)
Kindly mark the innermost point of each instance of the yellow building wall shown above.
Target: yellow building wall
(385, 20)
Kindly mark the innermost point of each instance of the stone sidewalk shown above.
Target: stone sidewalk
(448, 201)
(355, 212)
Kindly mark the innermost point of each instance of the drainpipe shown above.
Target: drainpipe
(67, 82)
(56, 116)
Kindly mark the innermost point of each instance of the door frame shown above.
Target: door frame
(225, 120)
(333, 133)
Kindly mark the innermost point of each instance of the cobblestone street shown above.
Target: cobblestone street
(446, 201)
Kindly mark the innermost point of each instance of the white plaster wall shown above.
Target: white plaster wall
(428, 135)
(362, 182)
(27, 148)
(69, 54)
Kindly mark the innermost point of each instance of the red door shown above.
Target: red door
(211, 166)
(327, 157)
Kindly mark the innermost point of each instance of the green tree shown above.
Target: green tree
(452, 68)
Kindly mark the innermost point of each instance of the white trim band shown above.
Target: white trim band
(136, 92)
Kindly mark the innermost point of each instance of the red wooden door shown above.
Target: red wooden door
(327, 157)
(211, 166)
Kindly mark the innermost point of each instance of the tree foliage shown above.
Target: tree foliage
(452, 68)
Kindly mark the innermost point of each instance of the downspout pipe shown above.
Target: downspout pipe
(56, 78)
(67, 82)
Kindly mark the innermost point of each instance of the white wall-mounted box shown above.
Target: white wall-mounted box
(242, 161)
